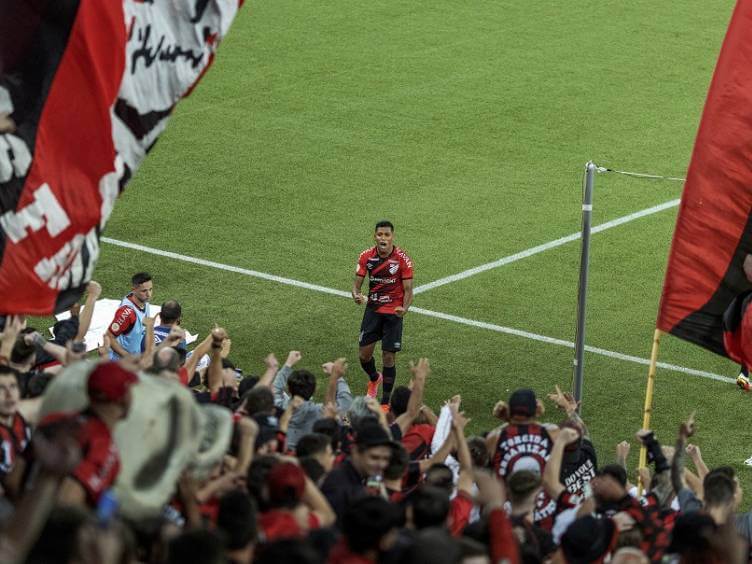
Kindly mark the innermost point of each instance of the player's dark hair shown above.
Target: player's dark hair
(312, 444)
(139, 278)
(302, 383)
(171, 312)
(384, 223)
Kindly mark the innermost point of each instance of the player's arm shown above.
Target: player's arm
(124, 320)
(356, 290)
(407, 286)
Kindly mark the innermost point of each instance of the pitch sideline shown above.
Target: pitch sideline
(418, 310)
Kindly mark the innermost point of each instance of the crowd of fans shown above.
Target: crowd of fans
(339, 481)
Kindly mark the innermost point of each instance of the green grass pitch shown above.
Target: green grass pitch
(468, 125)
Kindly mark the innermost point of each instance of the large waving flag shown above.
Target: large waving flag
(86, 87)
(714, 228)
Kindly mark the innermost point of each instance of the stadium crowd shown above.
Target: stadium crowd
(339, 481)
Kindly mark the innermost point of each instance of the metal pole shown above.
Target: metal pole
(579, 346)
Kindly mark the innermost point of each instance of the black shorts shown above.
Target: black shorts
(384, 327)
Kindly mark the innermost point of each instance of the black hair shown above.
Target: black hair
(247, 384)
(312, 468)
(366, 522)
(384, 223)
(718, 489)
(312, 444)
(440, 476)
(139, 278)
(237, 519)
(197, 545)
(521, 484)
(37, 384)
(171, 312)
(430, 507)
(400, 399)
(398, 462)
(257, 474)
(259, 399)
(478, 451)
(329, 427)
(302, 383)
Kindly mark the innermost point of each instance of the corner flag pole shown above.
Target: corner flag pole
(579, 346)
(648, 409)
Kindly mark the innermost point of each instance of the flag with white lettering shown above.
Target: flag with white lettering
(86, 88)
(714, 229)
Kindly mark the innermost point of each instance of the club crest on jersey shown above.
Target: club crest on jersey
(393, 268)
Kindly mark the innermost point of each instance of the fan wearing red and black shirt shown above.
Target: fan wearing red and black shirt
(15, 432)
(108, 388)
(390, 293)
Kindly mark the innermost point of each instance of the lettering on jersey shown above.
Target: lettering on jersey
(575, 482)
(526, 448)
(406, 258)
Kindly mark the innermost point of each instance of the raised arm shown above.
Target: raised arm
(551, 482)
(214, 375)
(201, 349)
(566, 402)
(94, 290)
(686, 430)
(420, 372)
(272, 366)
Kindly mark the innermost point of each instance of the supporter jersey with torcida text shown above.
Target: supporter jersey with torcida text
(385, 276)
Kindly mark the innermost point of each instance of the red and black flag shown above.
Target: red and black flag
(714, 228)
(86, 87)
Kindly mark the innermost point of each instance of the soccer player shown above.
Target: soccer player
(390, 293)
(127, 330)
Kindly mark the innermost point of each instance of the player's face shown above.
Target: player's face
(143, 292)
(384, 238)
(9, 395)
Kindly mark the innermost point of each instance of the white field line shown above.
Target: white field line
(544, 247)
(418, 310)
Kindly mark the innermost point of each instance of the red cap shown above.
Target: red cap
(286, 482)
(110, 382)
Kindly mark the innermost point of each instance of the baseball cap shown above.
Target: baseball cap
(286, 482)
(523, 403)
(109, 381)
(372, 435)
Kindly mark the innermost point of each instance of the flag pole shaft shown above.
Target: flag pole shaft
(579, 345)
(648, 408)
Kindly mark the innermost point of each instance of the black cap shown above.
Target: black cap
(371, 435)
(587, 539)
(523, 403)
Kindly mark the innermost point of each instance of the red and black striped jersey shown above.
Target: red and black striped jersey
(526, 447)
(13, 441)
(385, 277)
